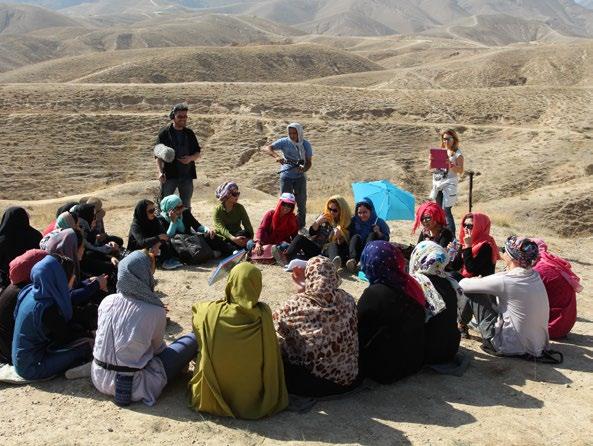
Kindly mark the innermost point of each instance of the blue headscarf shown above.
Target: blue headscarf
(135, 279)
(168, 203)
(48, 284)
(382, 262)
(364, 228)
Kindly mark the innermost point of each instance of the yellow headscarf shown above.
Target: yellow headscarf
(345, 215)
(240, 372)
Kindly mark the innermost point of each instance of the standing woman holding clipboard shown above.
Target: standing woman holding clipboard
(445, 180)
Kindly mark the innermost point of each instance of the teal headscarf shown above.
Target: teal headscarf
(168, 203)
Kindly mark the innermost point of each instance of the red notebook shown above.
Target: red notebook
(439, 159)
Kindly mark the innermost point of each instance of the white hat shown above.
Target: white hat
(287, 197)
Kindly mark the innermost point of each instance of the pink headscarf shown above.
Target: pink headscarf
(20, 268)
(561, 265)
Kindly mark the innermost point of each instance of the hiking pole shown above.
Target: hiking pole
(471, 188)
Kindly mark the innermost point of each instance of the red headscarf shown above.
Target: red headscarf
(20, 268)
(434, 210)
(284, 226)
(480, 235)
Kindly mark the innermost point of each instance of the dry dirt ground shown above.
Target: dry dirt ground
(497, 400)
(529, 143)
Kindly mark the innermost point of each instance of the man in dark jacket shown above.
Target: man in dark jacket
(180, 173)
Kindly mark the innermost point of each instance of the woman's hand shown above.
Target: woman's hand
(258, 248)
(114, 261)
(172, 215)
(211, 233)
(377, 231)
(467, 239)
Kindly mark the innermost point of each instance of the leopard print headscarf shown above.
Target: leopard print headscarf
(317, 329)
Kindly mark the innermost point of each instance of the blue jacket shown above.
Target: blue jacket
(30, 343)
(363, 229)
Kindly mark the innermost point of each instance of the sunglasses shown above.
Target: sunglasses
(448, 138)
(151, 210)
(333, 210)
(427, 218)
(468, 226)
(502, 249)
(235, 194)
(179, 208)
(288, 205)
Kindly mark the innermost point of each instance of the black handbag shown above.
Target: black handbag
(192, 249)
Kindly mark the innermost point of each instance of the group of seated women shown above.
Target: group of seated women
(76, 296)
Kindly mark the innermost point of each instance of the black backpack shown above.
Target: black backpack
(192, 249)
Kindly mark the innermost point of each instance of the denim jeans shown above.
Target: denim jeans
(298, 187)
(448, 214)
(178, 354)
(185, 186)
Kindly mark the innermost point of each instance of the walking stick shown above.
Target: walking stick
(471, 187)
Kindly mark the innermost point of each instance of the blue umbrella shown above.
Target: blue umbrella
(391, 202)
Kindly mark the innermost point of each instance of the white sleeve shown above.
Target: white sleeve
(493, 284)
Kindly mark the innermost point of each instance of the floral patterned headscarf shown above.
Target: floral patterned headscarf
(430, 259)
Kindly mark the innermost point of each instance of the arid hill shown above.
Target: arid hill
(283, 63)
(22, 19)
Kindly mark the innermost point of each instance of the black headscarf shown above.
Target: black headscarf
(16, 237)
(143, 231)
(65, 208)
(84, 211)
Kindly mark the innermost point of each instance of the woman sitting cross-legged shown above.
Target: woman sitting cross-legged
(391, 316)
(20, 277)
(317, 329)
(147, 231)
(132, 361)
(45, 343)
(239, 370)
(328, 235)
(179, 220)
(517, 322)
(231, 221)
(98, 231)
(561, 284)
(365, 227)
(427, 266)
(277, 229)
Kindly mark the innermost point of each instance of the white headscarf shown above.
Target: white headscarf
(430, 259)
(300, 143)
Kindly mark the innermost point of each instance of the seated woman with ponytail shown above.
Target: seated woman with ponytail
(45, 343)
(277, 229)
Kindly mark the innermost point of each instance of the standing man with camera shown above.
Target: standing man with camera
(180, 172)
(295, 160)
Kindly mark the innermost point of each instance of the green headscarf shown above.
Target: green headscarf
(239, 372)
(168, 203)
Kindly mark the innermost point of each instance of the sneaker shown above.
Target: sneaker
(337, 261)
(278, 256)
(352, 266)
(216, 254)
(171, 264)
(82, 371)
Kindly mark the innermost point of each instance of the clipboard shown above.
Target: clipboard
(439, 159)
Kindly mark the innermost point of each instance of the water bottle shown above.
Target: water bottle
(453, 249)
(123, 389)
